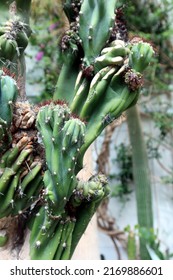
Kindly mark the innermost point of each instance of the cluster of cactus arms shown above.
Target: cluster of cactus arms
(42, 147)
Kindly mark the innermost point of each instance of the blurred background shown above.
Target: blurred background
(141, 137)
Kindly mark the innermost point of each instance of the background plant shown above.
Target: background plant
(125, 175)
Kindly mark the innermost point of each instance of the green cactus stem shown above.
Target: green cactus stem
(80, 93)
(141, 175)
(95, 22)
(69, 46)
(86, 199)
(66, 81)
(51, 238)
(44, 237)
(141, 54)
(8, 95)
(56, 237)
(62, 136)
(19, 187)
(117, 98)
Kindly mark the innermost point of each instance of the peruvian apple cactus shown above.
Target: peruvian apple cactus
(42, 147)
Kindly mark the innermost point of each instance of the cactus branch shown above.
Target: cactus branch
(141, 175)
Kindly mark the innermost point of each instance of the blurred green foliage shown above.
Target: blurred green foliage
(125, 174)
(151, 238)
(47, 25)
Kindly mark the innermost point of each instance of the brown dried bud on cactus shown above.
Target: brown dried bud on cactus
(119, 30)
(24, 116)
(133, 79)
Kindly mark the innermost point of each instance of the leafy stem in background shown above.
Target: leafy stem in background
(125, 175)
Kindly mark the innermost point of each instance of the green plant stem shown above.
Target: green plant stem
(66, 82)
(141, 175)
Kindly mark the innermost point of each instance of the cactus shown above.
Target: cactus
(62, 136)
(8, 95)
(86, 199)
(100, 78)
(17, 184)
(13, 39)
(141, 176)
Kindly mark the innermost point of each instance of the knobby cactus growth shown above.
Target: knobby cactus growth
(42, 147)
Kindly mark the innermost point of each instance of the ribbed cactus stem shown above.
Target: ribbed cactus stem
(66, 82)
(87, 198)
(96, 18)
(141, 175)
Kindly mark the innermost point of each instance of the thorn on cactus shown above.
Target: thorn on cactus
(38, 244)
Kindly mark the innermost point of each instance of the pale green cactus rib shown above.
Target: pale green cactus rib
(30, 176)
(80, 96)
(66, 253)
(97, 91)
(21, 158)
(35, 223)
(67, 231)
(112, 55)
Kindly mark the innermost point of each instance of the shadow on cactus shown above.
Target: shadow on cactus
(42, 147)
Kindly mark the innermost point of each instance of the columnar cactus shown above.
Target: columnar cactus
(100, 78)
(62, 134)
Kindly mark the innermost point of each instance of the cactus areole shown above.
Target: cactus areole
(42, 147)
